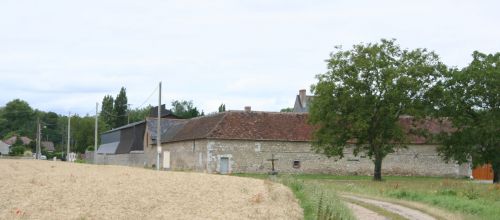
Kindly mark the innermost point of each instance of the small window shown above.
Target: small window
(296, 164)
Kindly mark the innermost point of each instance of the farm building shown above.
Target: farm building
(125, 145)
(4, 148)
(245, 141)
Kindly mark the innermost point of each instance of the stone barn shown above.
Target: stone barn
(245, 141)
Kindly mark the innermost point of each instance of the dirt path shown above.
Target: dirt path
(405, 212)
(363, 213)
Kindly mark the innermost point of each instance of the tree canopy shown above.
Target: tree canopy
(107, 113)
(185, 109)
(362, 96)
(471, 100)
(17, 117)
(120, 109)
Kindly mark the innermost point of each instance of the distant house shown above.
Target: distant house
(12, 140)
(302, 102)
(48, 146)
(4, 148)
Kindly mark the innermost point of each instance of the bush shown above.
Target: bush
(17, 150)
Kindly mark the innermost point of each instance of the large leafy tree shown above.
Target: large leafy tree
(362, 96)
(120, 109)
(185, 109)
(472, 103)
(17, 117)
(107, 115)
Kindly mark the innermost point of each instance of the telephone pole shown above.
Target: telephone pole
(158, 130)
(69, 138)
(38, 139)
(95, 133)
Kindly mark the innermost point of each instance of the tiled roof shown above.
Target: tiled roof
(12, 140)
(276, 126)
(236, 125)
(48, 145)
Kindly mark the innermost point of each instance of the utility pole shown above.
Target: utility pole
(38, 139)
(158, 130)
(69, 132)
(95, 133)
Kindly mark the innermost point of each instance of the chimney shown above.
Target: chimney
(302, 96)
(248, 108)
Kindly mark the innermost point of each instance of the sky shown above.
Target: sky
(64, 56)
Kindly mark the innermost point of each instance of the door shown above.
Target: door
(484, 172)
(166, 159)
(224, 165)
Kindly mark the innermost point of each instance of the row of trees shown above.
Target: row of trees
(18, 118)
(368, 87)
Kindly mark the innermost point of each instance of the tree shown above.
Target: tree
(286, 109)
(222, 107)
(185, 109)
(17, 116)
(139, 114)
(120, 109)
(472, 103)
(362, 96)
(107, 115)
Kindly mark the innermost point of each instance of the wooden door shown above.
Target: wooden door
(484, 172)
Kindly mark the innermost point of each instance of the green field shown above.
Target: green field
(468, 199)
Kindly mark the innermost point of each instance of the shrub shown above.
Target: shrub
(17, 150)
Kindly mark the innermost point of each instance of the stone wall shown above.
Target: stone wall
(252, 157)
(135, 159)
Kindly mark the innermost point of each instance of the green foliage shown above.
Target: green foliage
(287, 109)
(17, 150)
(222, 107)
(17, 116)
(185, 109)
(364, 93)
(471, 99)
(120, 109)
(82, 133)
(139, 114)
(107, 115)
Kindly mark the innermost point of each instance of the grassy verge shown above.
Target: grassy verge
(473, 200)
(316, 201)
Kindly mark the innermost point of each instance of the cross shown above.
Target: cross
(273, 172)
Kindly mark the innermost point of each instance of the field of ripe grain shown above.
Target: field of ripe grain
(32, 189)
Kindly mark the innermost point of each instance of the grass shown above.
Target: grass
(470, 199)
(317, 202)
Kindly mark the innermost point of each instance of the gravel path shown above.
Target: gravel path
(58, 190)
(362, 213)
(405, 212)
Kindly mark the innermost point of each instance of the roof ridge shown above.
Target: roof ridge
(217, 125)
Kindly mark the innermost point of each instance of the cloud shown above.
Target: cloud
(66, 55)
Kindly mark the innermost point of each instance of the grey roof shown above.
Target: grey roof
(300, 106)
(126, 126)
(109, 148)
(169, 128)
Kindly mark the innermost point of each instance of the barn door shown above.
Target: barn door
(224, 165)
(484, 172)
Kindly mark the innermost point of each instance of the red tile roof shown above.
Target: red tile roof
(275, 126)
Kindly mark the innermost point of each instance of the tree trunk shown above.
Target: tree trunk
(377, 174)
(496, 173)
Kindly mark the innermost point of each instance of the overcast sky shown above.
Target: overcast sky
(66, 55)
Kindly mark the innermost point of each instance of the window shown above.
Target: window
(296, 164)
